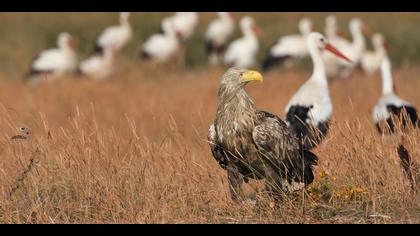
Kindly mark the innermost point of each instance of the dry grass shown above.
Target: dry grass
(133, 150)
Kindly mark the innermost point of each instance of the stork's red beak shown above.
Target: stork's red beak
(366, 30)
(71, 42)
(334, 50)
(257, 30)
(386, 45)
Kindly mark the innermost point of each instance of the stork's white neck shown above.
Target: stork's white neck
(68, 49)
(171, 34)
(225, 16)
(168, 29)
(305, 32)
(318, 74)
(65, 46)
(379, 49)
(125, 23)
(387, 82)
(331, 31)
(108, 55)
(358, 39)
(248, 33)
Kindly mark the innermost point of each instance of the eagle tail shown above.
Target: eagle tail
(309, 161)
(300, 168)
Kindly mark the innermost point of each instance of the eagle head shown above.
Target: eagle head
(237, 77)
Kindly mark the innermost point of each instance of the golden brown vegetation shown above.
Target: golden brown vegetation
(134, 150)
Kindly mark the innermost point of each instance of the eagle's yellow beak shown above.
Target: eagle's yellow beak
(252, 75)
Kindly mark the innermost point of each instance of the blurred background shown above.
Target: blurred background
(24, 35)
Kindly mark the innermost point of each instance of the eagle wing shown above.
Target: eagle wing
(281, 149)
(216, 150)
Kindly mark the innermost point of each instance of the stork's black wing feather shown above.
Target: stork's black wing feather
(309, 135)
(406, 112)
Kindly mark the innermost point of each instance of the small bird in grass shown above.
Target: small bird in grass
(250, 143)
(24, 134)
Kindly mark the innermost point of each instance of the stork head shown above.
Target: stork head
(247, 24)
(331, 26)
(318, 41)
(224, 15)
(124, 17)
(331, 20)
(305, 26)
(357, 25)
(169, 27)
(378, 41)
(65, 40)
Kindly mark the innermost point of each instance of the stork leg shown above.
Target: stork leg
(236, 180)
(182, 62)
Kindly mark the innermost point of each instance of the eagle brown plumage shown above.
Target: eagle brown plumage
(250, 143)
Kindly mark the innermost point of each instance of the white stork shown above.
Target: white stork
(242, 52)
(116, 36)
(339, 68)
(185, 23)
(309, 110)
(55, 62)
(99, 67)
(217, 36)
(162, 47)
(331, 28)
(390, 104)
(331, 31)
(371, 60)
(289, 47)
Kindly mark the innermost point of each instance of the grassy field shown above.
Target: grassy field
(134, 150)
